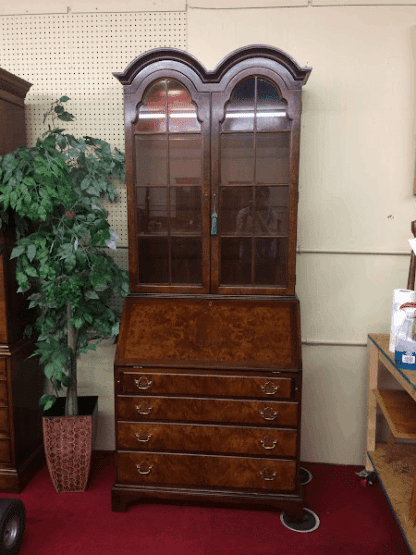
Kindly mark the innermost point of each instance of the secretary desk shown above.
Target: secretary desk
(208, 370)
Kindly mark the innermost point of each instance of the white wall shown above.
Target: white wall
(356, 178)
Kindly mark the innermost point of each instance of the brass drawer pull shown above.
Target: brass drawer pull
(269, 414)
(267, 474)
(143, 383)
(143, 437)
(268, 443)
(144, 468)
(144, 409)
(269, 388)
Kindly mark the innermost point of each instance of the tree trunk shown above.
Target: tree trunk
(71, 405)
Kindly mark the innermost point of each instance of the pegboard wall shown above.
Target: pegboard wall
(76, 55)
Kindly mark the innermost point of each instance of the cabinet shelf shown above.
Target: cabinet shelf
(399, 410)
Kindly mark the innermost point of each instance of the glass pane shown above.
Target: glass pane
(185, 159)
(273, 158)
(235, 261)
(182, 113)
(279, 204)
(233, 201)
(270, 261)
(152, 210)
(268, 95)
(185, 209)
(257, 254)
(239, 113)
(271, 113)
(237, 158)
(152, 112)
(153, 267)
(186, 260)
(151, 161)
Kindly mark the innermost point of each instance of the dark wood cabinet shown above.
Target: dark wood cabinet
(208, 362)
(21, 381)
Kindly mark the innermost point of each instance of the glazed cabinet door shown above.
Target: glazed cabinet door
(254, 177)
(168, 186)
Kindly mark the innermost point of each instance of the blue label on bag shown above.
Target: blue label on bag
(405, 360)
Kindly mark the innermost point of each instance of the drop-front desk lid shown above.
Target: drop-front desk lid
(211, 332)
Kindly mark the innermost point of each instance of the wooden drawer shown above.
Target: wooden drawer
(197, 438)
(171, 382)
(267, 413)
(207, 471)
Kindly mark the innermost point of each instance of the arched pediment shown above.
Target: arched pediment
(127, 76)
(297, 74)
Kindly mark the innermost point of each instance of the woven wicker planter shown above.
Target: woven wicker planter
(68, 444)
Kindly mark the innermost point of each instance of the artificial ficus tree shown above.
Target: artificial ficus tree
(52, 192)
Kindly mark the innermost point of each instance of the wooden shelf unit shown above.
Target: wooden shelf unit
(398, 406)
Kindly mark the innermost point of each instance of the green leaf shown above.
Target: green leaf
(85, 183)
(70, 262)
(60, 139)
(47, 401)
(77, 322)
(64, 99)
(49, 369)
(66, 116)
(17, 251)
(49, 142)
(31, 252)
(92, 295)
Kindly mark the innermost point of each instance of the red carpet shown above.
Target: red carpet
(354, 521)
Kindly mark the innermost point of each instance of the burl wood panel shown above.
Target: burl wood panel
(207, 410)
(177, 382)
(198, 438)
(202, 471)
(228, 332)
